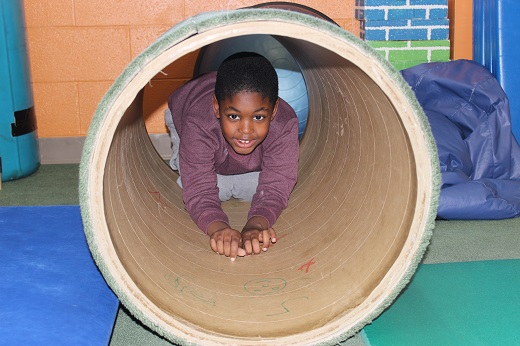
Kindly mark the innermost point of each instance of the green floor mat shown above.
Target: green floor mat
(465, 303)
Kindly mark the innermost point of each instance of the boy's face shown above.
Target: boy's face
(245, 120)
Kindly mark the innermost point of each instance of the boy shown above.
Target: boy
(233, 137)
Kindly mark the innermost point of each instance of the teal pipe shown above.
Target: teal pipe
(19, 151)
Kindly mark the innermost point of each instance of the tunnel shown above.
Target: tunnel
(356, 227)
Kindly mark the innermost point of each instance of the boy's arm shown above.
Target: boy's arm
(198, 176)
(203, 205)
(278, 175)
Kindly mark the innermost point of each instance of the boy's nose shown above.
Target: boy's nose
(246, 127)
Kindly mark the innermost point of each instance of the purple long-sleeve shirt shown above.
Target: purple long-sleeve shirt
(204, 153)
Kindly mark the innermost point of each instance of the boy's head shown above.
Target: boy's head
(245, 100)
(246, 72)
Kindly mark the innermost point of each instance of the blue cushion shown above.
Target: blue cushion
(469, 115)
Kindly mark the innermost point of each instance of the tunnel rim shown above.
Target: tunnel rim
(95, 152)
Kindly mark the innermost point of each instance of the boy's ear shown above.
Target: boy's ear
(275, 108)
(215, 106)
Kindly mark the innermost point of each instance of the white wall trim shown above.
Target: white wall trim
(65, 150)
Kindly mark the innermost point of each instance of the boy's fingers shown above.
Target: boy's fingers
(273, 235)
(226, 243)
(241, 252)
(217, 246)
(220, 247)
(213, 244)
(246, 243)
(266, 239)
(234, 249)
(248, 247)
(227, 246)
(256, 245)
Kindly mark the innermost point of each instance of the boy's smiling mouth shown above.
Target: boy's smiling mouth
(244, 143)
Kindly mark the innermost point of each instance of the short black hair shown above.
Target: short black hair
(246, 72)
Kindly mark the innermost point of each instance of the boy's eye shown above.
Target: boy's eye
(233, 116)
(259, 117)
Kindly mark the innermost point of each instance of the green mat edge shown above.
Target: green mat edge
(442, 267)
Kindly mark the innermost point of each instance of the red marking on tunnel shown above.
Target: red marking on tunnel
(156, 195)
(307, 265)
(278, 238)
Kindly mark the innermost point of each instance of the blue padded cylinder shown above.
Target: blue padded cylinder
(19, 150)
(495, 45)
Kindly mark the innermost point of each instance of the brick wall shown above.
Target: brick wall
(78, 47)
(406, 32)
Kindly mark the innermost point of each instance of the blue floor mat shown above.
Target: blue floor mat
(51, 291)
(464, 303)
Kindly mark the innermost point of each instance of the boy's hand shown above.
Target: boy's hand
(255, 240)
(257, 236)
(226, 241)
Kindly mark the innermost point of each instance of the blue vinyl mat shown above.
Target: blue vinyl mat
(51, 290)
(459, 304)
